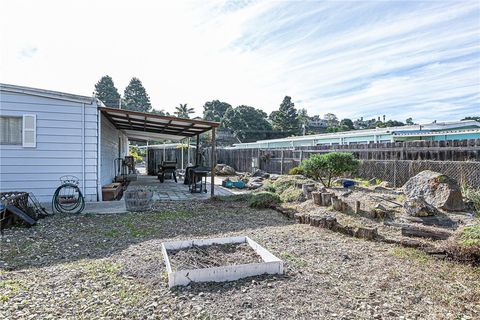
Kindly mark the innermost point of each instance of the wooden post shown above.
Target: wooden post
(281, 163)
(213, 164)
(197, 150)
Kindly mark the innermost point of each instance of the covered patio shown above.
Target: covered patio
(142, 126)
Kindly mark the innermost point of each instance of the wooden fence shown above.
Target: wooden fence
(395, 162)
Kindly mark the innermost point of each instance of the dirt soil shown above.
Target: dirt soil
(216, 255)
(111, 267)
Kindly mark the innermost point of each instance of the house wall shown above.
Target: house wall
(114, 144)
(66, 145)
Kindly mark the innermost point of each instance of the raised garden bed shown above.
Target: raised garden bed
(217, 260)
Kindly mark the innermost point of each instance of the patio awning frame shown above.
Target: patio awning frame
(130, 121)
(148, 126)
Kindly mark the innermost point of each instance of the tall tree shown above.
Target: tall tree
(285, 119)
(183, 111)
(303, 119)
(332, 119)
(107, 93)
(215, 110)
(347, 123)
(409, 121)
(135, 97)
(247, 123)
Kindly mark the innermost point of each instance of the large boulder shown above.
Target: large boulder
(224, 170)
(260, 173)
(436, 189)
(418, 207)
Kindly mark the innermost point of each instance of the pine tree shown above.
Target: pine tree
(286, 118)
(135, 97)
(107, 93)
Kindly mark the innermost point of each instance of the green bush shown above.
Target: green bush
(470, 235)
(292, 194)
(296, 171)
(267, 186)
(325, 167)
(264, 199)
(473, 195)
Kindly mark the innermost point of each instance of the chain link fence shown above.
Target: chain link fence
(398, 172)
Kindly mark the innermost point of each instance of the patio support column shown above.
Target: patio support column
(214, 160)
(197, 150)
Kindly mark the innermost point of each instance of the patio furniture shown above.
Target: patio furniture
(169, 168)
(198, 179)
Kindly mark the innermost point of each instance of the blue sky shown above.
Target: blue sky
(361, 58)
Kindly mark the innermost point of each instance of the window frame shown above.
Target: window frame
(20, 117)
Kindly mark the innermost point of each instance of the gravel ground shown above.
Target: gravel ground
(110, 267)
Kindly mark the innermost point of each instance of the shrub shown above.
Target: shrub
(473, 195)
(264, 199)
(325, 167)
(292, 194)
(296, 171)
(465, 246)
(285, 182)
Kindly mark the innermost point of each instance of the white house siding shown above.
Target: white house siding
(113, 144)
(66, 145)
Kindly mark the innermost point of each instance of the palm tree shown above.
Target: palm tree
(183, 111)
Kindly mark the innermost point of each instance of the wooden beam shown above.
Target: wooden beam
(167, 125)
(197, 151)
(214, 160)
(129, 121)
(170, 132)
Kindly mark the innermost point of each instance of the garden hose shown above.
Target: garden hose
(68, 199)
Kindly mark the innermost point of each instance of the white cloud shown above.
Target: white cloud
(354, 59)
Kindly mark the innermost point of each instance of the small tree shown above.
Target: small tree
(325, 167)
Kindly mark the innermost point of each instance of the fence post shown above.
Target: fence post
(395, 173)
(281, 162)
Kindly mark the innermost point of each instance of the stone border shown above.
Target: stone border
(270, 264)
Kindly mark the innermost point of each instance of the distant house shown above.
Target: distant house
(437, 131)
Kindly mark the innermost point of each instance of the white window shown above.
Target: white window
(16, 130)
(29, 130)
(10, 130)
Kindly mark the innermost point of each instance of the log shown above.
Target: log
(421, 232)
(317, 198)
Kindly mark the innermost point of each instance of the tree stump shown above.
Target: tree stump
(337, 204)
(307, 189)
(366, 233)
(327, 198)
(317, 198)
(357, 207)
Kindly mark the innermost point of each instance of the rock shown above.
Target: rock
(385, 184)
(418, 207)
(437, 189)
(254, 183)
(260, 173)
(223, 169)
